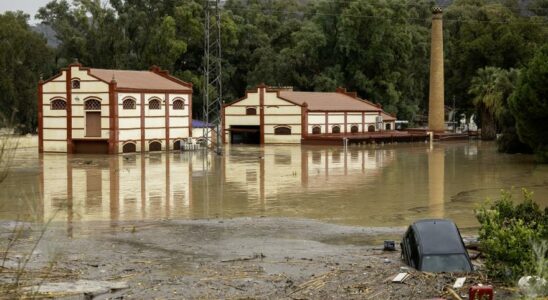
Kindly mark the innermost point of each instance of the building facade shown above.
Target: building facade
(276, 115)
(87, 110)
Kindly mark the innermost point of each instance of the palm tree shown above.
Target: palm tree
(491, 87)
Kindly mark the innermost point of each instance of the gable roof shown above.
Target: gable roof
(330, 101)
(145, 80)
(387, 117)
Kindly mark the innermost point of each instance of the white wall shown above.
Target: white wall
(277, 112)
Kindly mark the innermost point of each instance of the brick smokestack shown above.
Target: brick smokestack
(436, 113)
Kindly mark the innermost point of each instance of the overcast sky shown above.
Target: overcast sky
(30, 7)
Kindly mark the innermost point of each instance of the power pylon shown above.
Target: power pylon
(213, 87)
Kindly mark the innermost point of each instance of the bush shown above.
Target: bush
(529, 104)
(507, 235)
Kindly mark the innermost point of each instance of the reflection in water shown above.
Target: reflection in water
(384, 186)
(436, 181)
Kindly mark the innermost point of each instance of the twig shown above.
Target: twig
(256, 256)
(454, 294)
(235, 287)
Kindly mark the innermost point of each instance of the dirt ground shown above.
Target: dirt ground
(263, 258)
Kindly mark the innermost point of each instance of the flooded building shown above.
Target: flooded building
(88, 110)
(280, 115)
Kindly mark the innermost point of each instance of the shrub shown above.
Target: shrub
(507, 234)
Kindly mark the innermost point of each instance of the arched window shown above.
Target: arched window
(371, 128)
(76, 84)
(316, 130)
(58, 104)
(354, 129)
(129, 104)
(92, 104)
(177, 145)
(178, 104)
(336, 129)
(282, 130)
(251, 111)
(155, 146)
(129, 148)
(154, 104)
(388, 126)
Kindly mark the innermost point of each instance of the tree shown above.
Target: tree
(482, 33)
(23, 57)
(529, 104)
(489, 87)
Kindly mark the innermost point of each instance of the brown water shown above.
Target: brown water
(389, 185)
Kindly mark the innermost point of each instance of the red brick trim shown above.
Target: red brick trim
(270, 115)
(261, 112)
(165, 74)
(113, 120)
(152, 91)
(247, 92)
(304, 120)
(142, 122)
(190, 115)
(345, 122)
(41, 118)
(166, 96)
(68, 85)
(56, 76)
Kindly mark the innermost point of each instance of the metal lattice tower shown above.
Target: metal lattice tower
(213, 87)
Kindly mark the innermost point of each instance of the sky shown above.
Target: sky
(30, 7)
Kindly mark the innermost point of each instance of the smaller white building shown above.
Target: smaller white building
(88, 110)
(279, 115)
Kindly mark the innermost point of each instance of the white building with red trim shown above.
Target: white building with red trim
(278, 115)
(88, 110)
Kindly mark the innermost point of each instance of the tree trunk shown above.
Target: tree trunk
(488, 131)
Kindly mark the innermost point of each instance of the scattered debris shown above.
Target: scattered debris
(528, 284)
(459, 282)
(255, 256)
(481, 292)
(400, 277)
(454, 294)
(87, 287)
(389, 246)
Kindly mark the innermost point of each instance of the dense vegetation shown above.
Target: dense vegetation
(378, 48)
(514, 237)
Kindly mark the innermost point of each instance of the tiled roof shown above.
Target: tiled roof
(387, 117)
(146, 80)
(332, 101)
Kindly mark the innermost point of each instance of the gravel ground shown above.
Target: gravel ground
(263, 258)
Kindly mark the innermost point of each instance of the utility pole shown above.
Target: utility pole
(213, 87)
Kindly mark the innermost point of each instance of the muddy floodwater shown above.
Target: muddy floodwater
(373, 186)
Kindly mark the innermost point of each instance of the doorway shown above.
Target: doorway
(93, 124)
(245, 135)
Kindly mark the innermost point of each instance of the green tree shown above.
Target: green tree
(23, 57)
(489, 88)
(164, 48)
(482, 33)
(529, 104)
